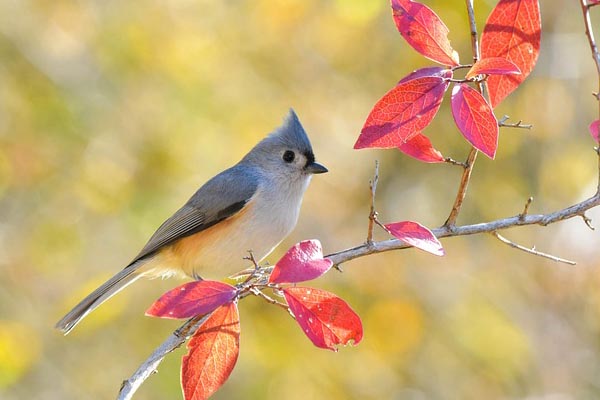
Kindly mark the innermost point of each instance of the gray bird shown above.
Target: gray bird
(253, 205)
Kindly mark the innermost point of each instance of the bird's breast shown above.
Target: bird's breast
(219, 251)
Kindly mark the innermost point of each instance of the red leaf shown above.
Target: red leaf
(428, 71)
(192, 299)
(302, 262)
(212, 353)
(424, 31)
(402, 112)
(326, 319)
(493, 66)
(595, 130)
(513, 31)
(419, 147)
(416, 235)
(475, 119)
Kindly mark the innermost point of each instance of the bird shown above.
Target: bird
(251, 206)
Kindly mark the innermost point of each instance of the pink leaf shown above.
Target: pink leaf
(440, 72)
(513, 32)
(416, 235)
(493, 66)
(402, 112)
(302, 262)
(326, 319)
(192, 299)
(595, 130)
(475, 119)
(419, 147)
(424, 31)
(212, 354)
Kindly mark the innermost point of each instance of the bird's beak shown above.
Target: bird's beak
(315, 168)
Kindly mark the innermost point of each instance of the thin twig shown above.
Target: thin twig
(373, 213)
(462, 189)
(519, 124)
(473, 28)
(454, 162)
(531, 250)
(270, 300)
(589, 32)
(588, 221)
(585, 9)
(526, 208)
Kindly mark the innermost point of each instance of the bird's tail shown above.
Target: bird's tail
(108, 289)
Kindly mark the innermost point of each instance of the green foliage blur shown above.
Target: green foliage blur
(112, 113)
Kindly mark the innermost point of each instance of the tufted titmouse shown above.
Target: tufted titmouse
(253, 205)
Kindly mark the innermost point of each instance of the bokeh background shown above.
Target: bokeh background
(112, 113)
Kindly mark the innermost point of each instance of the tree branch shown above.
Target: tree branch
(575, 210)
(176, 339)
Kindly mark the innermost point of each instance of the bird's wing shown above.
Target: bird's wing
(220, 198)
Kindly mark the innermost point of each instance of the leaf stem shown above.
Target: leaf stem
(268, 299)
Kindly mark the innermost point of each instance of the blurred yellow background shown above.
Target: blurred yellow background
(112, 113)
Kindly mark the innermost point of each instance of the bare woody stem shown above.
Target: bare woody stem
(470, 163)
(473, 27)
(373, 213)
(462, 189)
(589, 32)
(174, 341)
(585, 8)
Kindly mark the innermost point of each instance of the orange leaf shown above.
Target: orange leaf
(324, 318)
(424, 31)
(302, 262)
(419, 147)
(493, 66)
(191, 299)
(402, 112)
(513, 32)
(416, 235)
(212, 353)
(475, 119)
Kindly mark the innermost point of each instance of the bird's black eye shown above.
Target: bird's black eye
(289, 156)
